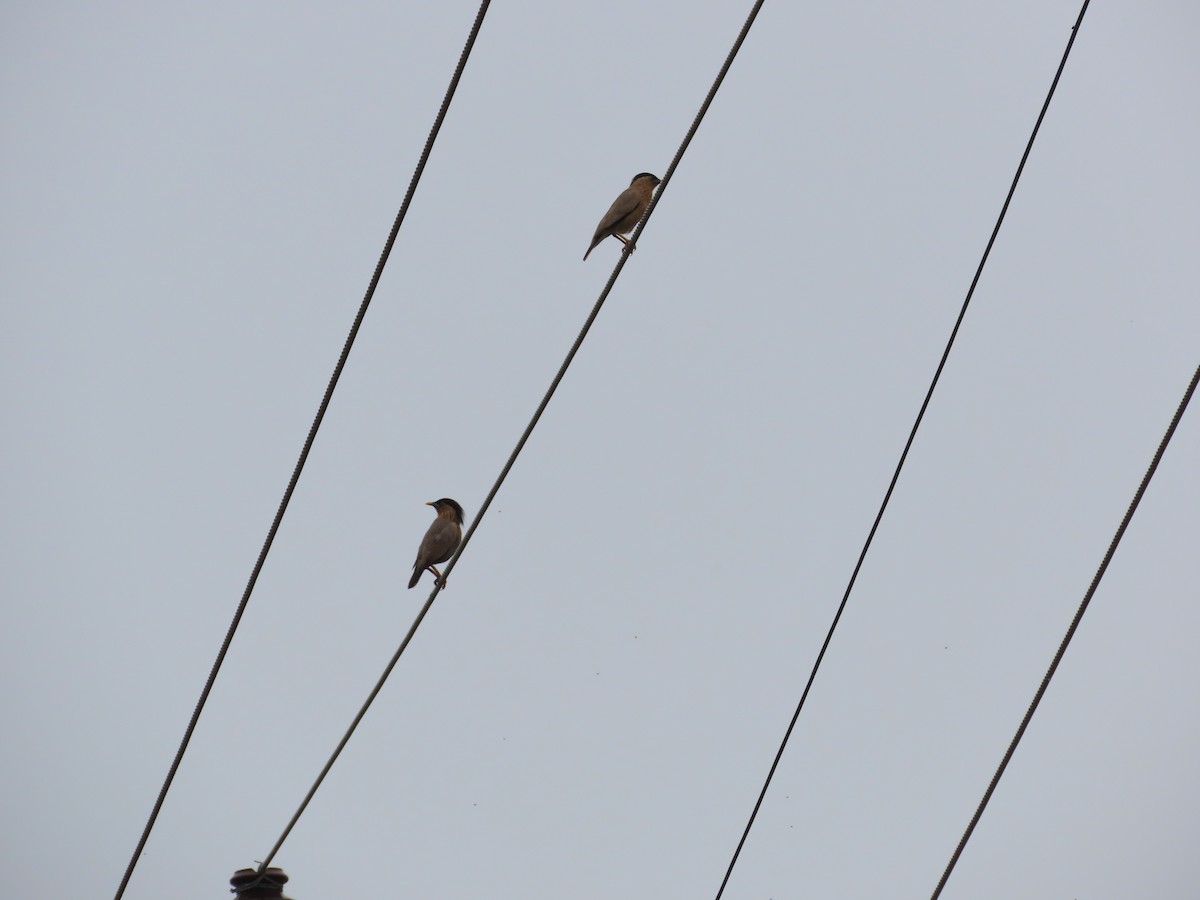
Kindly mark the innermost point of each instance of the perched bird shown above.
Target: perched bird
(626, 211)
(440, 541)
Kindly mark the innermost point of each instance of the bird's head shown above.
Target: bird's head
(653, 179)
(446, 505)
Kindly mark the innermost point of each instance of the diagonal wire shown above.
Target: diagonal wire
(562, 370)
(308, 442)
(903, 456)
(1062, 648)
(512, 458)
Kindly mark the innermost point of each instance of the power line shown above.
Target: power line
(1062, 648)
(512, 458)
(903, 456)
(637, 231)
(308, 442)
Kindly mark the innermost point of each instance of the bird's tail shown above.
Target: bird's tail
(417, 573)
(591, 248)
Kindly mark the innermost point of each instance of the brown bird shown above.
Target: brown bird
(440, 541)
(626, 211)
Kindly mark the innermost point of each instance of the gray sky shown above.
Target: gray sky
(194, 198)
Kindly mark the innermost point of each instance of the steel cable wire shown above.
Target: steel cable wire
(512, 458)
(312, 433)
(1062, 647)
(903, 457)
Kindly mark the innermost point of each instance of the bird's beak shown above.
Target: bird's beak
(431, 503)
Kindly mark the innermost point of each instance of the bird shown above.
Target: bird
(440, 541)
(626, 211)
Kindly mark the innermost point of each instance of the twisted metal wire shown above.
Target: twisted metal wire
(308, 442)
(1062, 647)
(512, 458)
(903, 457)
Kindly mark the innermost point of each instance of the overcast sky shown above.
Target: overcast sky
(194, 197)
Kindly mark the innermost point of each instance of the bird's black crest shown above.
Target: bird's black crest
(446, 501)
(649, 175)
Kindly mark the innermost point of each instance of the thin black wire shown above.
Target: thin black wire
(1062, 648)
(512, 458)
(312, 433)
(903, 456)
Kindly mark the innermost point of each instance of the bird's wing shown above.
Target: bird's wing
(622, 206)
(429, 546)
(441, 541)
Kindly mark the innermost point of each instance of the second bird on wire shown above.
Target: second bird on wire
(627, 210)
(440, 541)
